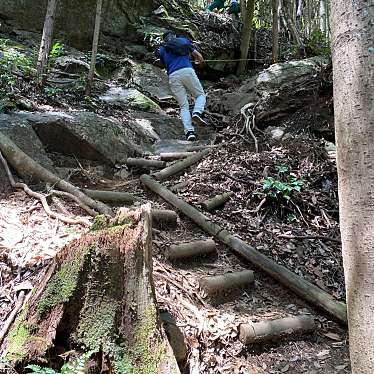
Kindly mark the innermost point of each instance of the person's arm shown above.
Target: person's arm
(197, 56)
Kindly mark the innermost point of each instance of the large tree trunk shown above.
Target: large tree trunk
(95, 43)
(46, 41)
(247, 10)
(352, 42)
(98, 296)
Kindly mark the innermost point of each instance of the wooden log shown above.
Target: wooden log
(297, 284)
(260, 332)
(226, 281)
(191, 249)
(164, 218)
(25, 165)
(179, 166)
(111, 196)
(98, 295)
(145, 163)
(216, 201)
(180, 186)
(174, 156)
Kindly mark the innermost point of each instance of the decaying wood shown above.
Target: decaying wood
(216, 201)
(42, 198)
(227, 281)
(98, 295)
(174, 156)
(191, 249)
(274, 330)
(300, 286)
(145, 163)
(164, 218)
(25, 165)
(179, 166)
(111, 196)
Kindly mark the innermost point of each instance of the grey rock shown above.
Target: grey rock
(71, 64)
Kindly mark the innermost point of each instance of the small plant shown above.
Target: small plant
(57, 50)
(52, 91)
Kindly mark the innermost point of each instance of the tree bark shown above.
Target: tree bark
(98, 296)
(247, 11)
(95, 43)
(275, 29)
(300, 286)
(352, 54)
(46, 42)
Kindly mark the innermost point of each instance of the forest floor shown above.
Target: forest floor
(262, 217)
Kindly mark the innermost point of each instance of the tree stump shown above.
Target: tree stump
(97, 296)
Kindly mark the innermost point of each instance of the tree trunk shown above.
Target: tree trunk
(286, 14)
(322, 16)
(353, 52)
(248, 8)
(98, 296)
(275, 50)
(46, 41)
(95, 43)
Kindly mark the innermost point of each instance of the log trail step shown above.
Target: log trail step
(226, 281)
(191, 249)
(164, 218)
(172, 156)
(216, 201)
(145, 163)
(274, 330)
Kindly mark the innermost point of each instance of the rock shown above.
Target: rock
(276, 133)
(22, 133)
(129, 98)
(71, 64)
(88, 136)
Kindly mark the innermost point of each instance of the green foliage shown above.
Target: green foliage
(76, 366)
(52, 91)
(318, 44)
(57, 50)
(284, 186)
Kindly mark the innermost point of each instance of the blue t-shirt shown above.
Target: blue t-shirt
(175, 62)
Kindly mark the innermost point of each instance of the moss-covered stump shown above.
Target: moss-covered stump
(97, 296)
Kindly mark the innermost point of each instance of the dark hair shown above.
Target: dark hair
(168, 34)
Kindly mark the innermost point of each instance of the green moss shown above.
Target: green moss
(142, 102)
(100, 222)
(18, 336)
(63, 283)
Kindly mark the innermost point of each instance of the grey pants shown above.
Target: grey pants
(181, 83)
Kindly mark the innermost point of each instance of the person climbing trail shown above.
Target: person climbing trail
(175, 55)
(216, 4)
(234, 9)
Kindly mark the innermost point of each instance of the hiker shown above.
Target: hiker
(234, 9)
(175, 54)
(216, 4)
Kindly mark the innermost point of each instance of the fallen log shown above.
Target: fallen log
(216, 201)
(111, 196)
(226, 281)
(260, 332)
(191, 249)
(145, 163)
(179, 166)
(174, 156)
(300, 286)
(164, 218)
(97, 296)
(25, 165)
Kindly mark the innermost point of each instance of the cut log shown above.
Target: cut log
(98, 296)
(274, 330)
(174, 156)
(226, 281)
(111, 196)
(300, 286)
(164, 218)
(145, 163)
(191, 249)
(216, 201)
(179, 166)
(25, 165)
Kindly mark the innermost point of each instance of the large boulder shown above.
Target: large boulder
(75, 18)
(89, 136)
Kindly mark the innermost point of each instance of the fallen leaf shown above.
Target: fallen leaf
(333, 336)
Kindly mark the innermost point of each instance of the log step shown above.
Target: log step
(226, 281)
(145, 163)
(191, 249)
(164, 218)
(216, 201)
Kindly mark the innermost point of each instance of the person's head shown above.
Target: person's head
(168, 35)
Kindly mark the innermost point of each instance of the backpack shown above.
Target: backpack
(178, 47)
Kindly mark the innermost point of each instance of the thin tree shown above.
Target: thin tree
(275, 28)
(46, 42)
(247, 11)
(95, 43)
(353, 57)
